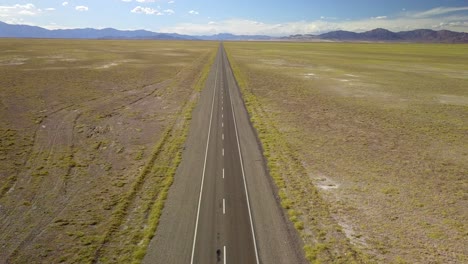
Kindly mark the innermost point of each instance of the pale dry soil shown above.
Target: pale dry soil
(78, 123)
(380, 130)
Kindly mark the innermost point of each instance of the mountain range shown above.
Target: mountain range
(384, 35)
(379, 34)
(25, 31)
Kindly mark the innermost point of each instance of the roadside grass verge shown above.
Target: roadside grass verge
(366, 143)
(152, 186)
(175, 151)
(323, 237)
(90, 135)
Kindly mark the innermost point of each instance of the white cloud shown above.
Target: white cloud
(438, 11)
(27, 12)
(53, 25)
(251, 27)
(128, 1)
(455, 19)
(236, 26)
(146, 1)
(451, 18)
(12, 12)
(380, 17)
(81, 8)
(146, 10)
(328, 18)
(169, 11)
(50, 9)
(171, 2)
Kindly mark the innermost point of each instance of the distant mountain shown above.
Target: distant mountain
(426, 35)
(340, 34)
(227, 36)
(380, 34)
(24, 31)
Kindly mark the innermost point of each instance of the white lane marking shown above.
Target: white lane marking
(224, 206)
(223, 173)
(223, 136)
(224, 254)
(204, 168)
(223, 152)
(243, 176)
(222, 108)
(222, 115)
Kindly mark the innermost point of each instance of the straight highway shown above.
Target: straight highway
(222, 207)
(224, 221)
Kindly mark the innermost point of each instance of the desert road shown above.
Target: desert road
(222, 207)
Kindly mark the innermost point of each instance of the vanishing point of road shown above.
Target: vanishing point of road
(222, 207)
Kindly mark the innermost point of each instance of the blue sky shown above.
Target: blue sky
(275, 18)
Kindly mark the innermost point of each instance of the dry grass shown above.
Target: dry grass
(91, 136)
(367, 143)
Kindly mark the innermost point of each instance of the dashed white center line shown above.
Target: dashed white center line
(224, 206)
(224, 254)
(223, 136)
(222, 124)
(222, 115)
(223, 173)
(223, 151)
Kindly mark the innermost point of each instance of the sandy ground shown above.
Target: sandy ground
(77, 161)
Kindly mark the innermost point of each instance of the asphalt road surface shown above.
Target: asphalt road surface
(222, 207)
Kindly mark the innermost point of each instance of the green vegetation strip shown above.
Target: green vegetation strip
(163, 164)
(324, 239)
(177, 148)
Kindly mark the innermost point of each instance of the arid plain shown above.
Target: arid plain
(367, 143)
(91, 134)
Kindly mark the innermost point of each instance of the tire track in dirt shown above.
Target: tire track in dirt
(37, 185)
(57, 123)
(140, 193)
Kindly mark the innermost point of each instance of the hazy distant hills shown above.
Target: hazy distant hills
(227, 36)
(379, 34)
(23, 31)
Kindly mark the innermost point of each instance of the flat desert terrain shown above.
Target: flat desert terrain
(367, 144)
(90, 135)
